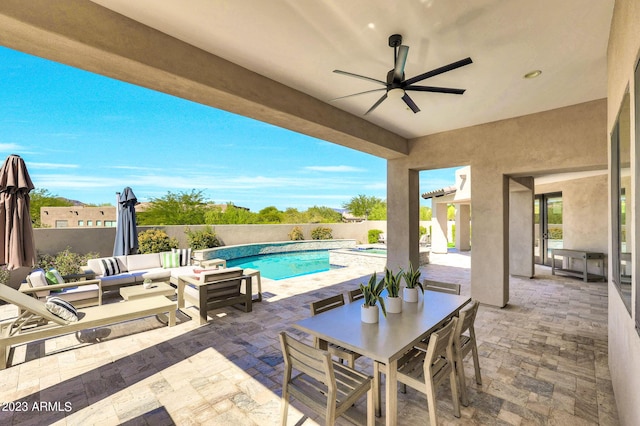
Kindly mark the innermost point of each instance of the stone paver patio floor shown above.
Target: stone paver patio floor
(543, 359)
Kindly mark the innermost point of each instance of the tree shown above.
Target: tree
(182, 208)
(232, 215)
(425, 213)
(451, 212)
(378, 211)
(362, 205)
(293, 215)
(270, 215)
(321, 214)
(43, 198)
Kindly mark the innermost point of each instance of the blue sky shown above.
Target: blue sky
(85, 137)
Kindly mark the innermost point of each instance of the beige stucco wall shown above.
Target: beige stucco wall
(566, 139)
(585, 213)
(624, 343)
(100, 240)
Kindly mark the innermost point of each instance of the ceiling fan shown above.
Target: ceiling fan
(397, 86)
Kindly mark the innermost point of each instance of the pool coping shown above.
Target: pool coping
(256, 249)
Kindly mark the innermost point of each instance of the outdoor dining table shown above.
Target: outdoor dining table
(387, 340)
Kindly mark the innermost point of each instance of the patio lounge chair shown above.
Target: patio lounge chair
(215, 289)
(35, 322)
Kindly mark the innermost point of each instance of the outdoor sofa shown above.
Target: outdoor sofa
(36, 322)
(118, 271)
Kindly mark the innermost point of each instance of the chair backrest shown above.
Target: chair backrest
(355, 295)
(28, 303)
(222, 283)
(313, 362)
(466, 319)
(329, 303)
(450, 288)
(440, 345)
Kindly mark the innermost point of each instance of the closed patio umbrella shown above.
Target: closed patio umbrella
(18, 247)
(126, 231)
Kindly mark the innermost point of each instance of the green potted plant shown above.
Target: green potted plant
(372, 294)
(392, 284)
(412, 281)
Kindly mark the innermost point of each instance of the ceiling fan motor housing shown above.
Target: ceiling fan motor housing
(395, 40)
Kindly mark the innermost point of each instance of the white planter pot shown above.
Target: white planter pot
(369, 314)
(410, 294)
(393, 305)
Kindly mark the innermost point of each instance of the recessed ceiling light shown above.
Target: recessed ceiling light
(371, 26)
(533, 74)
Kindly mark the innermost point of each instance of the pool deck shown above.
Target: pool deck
(543, 360)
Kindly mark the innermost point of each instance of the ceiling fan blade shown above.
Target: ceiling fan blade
(376, 104)
(437, 71)
(356, 94)
(435, 89)
(362, 77)
(407, 100)
(401, 59)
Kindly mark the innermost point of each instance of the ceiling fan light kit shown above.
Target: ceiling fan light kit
(396, 86)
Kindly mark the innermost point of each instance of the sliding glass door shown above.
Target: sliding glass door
(547, 226)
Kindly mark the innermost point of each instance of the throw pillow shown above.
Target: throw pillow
(170, 260)
(185, 256)
(61, 308)
(53, 277)
(109, 266)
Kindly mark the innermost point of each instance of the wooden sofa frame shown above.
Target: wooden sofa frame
(216, 293)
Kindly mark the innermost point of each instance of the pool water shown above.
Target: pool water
(279, 266)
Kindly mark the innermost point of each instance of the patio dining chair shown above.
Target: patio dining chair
(450, 288)
(355, 295)
(342, 353)
(324, 385)
(463, 344)
(427, 365)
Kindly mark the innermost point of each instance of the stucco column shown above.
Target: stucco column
(521, 197)
(403, 215)
(489, 262)
(439, 227)
(463, 235)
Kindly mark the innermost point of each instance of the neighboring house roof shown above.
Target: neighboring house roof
(440, 192)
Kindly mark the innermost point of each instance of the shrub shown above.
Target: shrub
(66, 261)
(155, 241)
(5, 275)
(202, 239)
(296, 234)
(373, 235)
(321, 233)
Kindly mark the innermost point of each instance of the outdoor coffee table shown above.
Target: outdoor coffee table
(138, 291)
(157, 289)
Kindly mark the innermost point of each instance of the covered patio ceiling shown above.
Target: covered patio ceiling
(273, 60)
(299, 44)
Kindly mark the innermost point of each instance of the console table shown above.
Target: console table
(567, 263)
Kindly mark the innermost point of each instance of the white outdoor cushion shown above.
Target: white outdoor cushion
(73, 294)
(38, 279)
(142, 262)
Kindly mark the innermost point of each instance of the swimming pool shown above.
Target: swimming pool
(279, 266)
